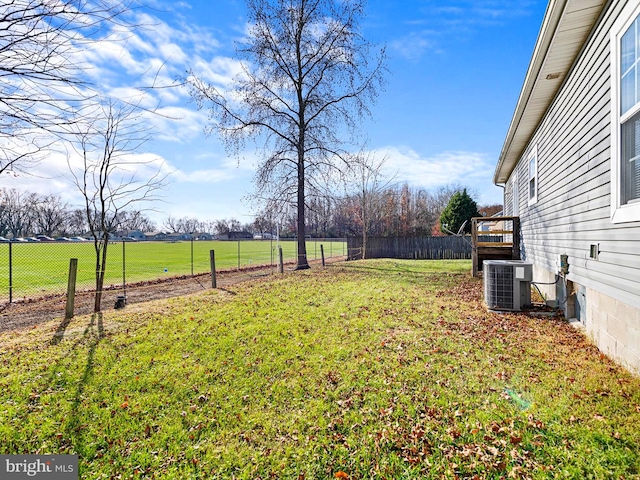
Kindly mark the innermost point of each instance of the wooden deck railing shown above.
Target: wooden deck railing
(505, 247)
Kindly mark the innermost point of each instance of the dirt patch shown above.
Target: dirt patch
(31, 312)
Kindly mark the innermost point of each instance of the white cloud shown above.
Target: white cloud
(468, 169)
(176, 124)
(415, 44)
(48, 176)
(134, 96)
(407, 165)
(141, 65)
(218, 70)
(172, 53)
(204, 176)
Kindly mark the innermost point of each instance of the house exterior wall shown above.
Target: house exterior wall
(573, 206)
(137, 234)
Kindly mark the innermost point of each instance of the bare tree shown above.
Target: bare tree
(222, 227)
(234, 225)
(108, 175)
(265, 223)
(183, 224)
(135, 220)
(18, 212)
(189, 225)
(369, 184)
(76, 222)
(320, 215)
(171, 224)
(43, 81)
(225, 226)
(51, 215)
(490, 210)
(308, 79)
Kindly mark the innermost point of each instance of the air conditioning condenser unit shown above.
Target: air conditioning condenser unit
(507, 284)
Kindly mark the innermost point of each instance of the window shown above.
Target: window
(625, 116)
(533, 176)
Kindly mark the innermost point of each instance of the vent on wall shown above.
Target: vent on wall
(507, 284)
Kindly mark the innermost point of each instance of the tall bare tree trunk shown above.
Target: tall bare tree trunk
(307, 72)
(302, 263)
(101, 262)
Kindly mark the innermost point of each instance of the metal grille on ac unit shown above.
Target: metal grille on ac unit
(507, 284)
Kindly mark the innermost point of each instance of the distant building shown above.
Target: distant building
(243, 235)
(203, 236)
(264, 236)
(155, 236)
(136, 235)
(175, 237)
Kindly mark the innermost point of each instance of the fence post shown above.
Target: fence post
(238, 254)
(280, 261)
(192, 257)
(474, 248)
(322, 254)
(124, 270)
(11, 272)
(71, 288)
(212, 261)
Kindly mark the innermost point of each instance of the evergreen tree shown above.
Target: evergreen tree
(461, 208)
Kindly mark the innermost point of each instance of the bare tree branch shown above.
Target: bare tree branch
(43, 80)
(109, 176)
(307, 80)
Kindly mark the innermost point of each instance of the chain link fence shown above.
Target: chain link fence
(39, 270)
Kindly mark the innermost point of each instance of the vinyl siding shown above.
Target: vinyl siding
(574, 181)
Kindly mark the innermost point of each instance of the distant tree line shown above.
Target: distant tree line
(400, 210)
(27, 213)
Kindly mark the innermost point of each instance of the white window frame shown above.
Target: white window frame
(630, 212)
(533, 155)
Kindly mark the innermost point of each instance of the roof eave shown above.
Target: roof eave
(566, 26)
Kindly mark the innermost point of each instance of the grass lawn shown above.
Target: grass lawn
(41, 268)
(374, 369)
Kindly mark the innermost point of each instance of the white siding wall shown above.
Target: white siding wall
(573, 208)
(574, 204)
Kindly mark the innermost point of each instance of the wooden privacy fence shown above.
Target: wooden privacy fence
(419, 248)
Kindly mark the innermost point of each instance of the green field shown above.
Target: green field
(42, 268)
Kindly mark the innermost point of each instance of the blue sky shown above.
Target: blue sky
(455, 71)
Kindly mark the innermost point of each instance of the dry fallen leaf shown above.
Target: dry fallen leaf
(342, 475)
(515, 439)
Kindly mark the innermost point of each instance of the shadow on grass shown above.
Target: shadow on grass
(59, 334)
(93, 334)
(226, 290)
